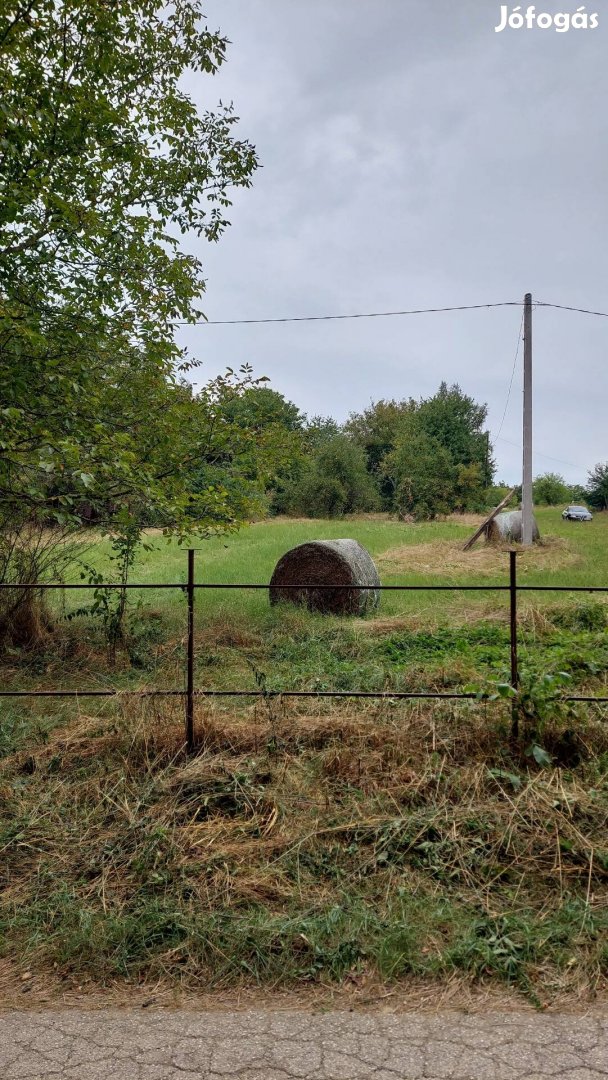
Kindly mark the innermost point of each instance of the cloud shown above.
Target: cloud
(414, 158)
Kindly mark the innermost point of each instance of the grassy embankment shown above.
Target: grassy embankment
(328, 840)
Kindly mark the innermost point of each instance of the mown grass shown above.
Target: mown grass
(251, 555)
(317, 842)
(300, 846)
(239, 635)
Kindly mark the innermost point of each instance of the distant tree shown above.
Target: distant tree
(260, 408)
(577, 493)
(550, 489)
(423, 476)
(451, 419)
(319, 430)
(457, 421)
(470, 493)
(334, 482)
(597, 487)
(315, 434)
(256, 446)
(376, 429)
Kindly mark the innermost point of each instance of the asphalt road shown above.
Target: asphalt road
(188, 1045)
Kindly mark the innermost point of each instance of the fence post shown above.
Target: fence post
(190, 656)
(514, 667)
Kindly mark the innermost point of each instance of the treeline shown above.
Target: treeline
(411, 458)
(414, 459)
(551, 489)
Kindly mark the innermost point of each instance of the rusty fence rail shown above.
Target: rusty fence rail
(190, 693)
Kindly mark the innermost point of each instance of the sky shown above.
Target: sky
(413, 157)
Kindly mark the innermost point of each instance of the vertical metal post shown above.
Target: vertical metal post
(514, 667)
(190, 655)
(527, 508)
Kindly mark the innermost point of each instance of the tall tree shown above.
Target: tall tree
(377, 427)
(597, 486)
(260, 407)
(423, 476)
(457, 422)
(377, 430)
(451, 424)
(550, 489)
(104, 161)
(264, 445)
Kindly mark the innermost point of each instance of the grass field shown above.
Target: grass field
(575, 554)
(417, 640)
(317, 842)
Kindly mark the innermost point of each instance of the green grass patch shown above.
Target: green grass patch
(309, 842)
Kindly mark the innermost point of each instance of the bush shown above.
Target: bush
(494, 495)
(424, 478)
(31, 552)
(335, 482)
(550, 489)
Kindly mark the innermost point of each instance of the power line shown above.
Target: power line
(386, 314)
(361, 315)
(566, 307)
(537, 453)
(519, 337)
(358, 315)
(367, 314)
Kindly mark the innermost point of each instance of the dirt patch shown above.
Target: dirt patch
(445, 558)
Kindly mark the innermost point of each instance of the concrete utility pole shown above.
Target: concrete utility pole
(527, 504)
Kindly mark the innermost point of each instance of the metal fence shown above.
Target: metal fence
(190, 692)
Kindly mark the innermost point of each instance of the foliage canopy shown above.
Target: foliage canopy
(104, 161)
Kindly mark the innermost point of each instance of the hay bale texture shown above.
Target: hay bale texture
(327, 562)
(507, 528)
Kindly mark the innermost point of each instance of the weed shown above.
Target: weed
(587, 615)
(144, 632)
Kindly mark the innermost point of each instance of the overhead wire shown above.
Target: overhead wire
(566, 307)
(415, 311)
(537, 453)
(421, 311)
(386, 314)
(356, 315)
(519, 339)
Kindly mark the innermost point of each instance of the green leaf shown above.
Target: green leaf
(512, 778)
(540, 755)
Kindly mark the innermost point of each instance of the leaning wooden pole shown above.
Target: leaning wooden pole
(484, 525)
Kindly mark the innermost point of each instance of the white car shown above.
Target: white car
(577, 513)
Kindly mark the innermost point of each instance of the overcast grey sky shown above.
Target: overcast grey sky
(412, 157)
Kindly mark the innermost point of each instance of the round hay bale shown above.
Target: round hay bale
(327, 562)
(507, 528)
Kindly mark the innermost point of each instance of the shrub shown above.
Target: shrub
(335, 482)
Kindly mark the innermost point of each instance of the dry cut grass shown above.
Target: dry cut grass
(446, 558)
(389, 843)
